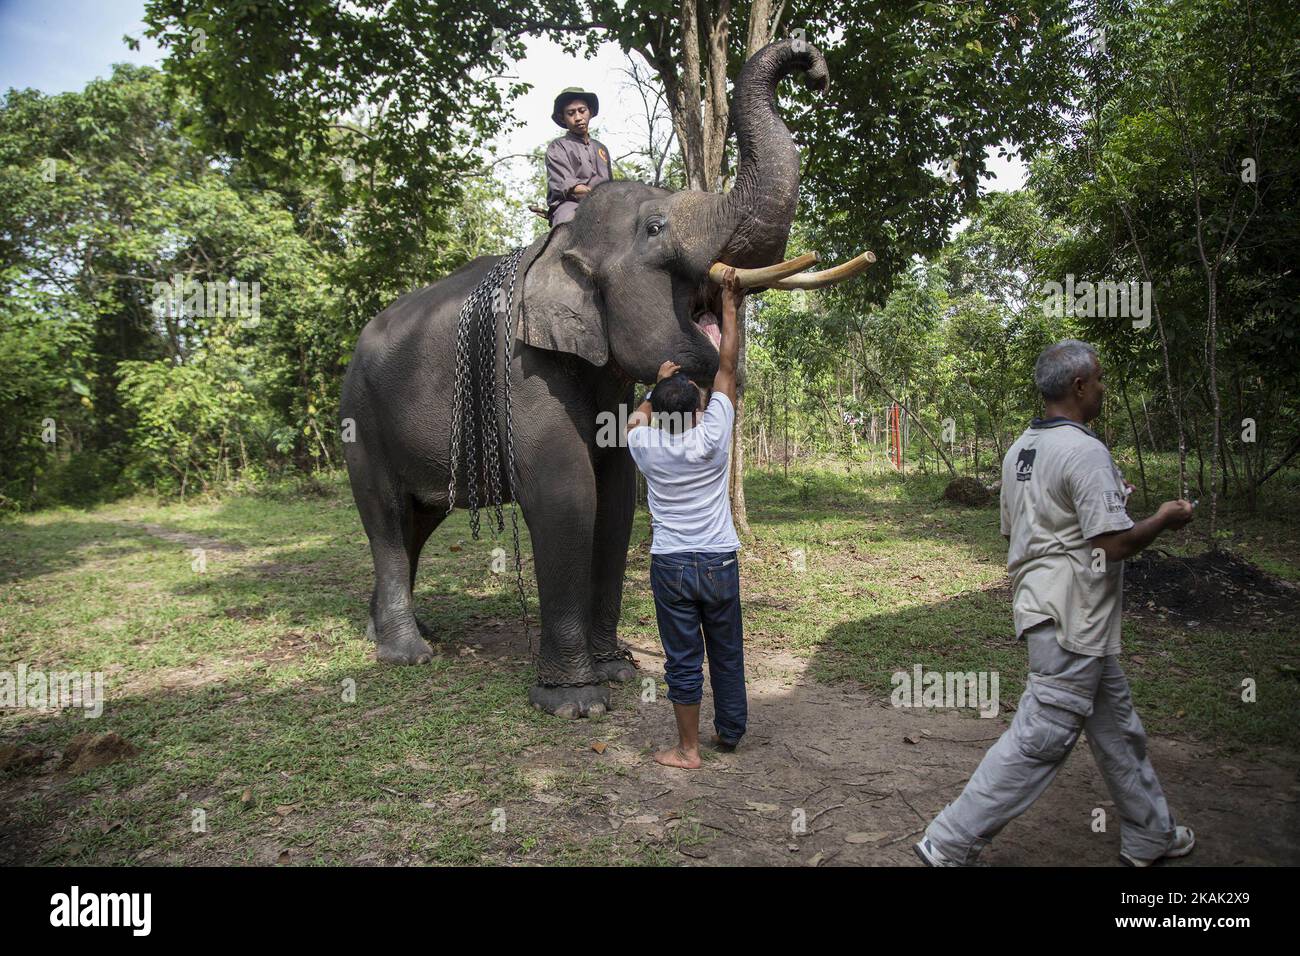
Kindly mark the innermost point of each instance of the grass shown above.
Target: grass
(253, 699)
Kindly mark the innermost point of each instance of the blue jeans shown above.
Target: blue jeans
(700, 591)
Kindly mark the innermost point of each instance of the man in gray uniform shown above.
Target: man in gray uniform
(1064, 512)
(575, 163)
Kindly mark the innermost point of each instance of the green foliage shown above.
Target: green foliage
(1181, 170)
(954, 342)
(334, 154)
(895, 151)
(121, 233)
(380, 112)
(43, 392)
(185, 419)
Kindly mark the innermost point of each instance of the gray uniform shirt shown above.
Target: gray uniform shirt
(1060, 489)
(570, 161)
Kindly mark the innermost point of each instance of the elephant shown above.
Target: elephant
(602, 301)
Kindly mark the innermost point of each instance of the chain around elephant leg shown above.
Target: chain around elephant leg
(572, 690)
(616, 664)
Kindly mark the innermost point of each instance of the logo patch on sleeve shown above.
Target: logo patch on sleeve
(1025, 464)
(1114, 501)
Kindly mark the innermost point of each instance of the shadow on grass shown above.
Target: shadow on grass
(1184, 684)
(357, 762)
(1187, 681)
(58, 543)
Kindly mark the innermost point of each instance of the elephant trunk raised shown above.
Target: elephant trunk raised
(751, 223)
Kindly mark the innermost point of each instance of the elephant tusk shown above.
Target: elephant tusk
(750, 278)
(816, 280)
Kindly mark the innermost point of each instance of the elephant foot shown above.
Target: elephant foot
(587, 700)
(425, 630)
(620, 669)
(405, 648)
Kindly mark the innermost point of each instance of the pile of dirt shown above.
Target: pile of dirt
(88, 751)
(1215, 587)
(966, 491)
(20, 757)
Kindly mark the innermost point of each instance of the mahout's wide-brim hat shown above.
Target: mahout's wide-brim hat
(568, 95)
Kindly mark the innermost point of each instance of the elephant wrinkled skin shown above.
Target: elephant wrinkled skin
(600, 302)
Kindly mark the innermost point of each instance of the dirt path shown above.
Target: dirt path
(841, 757)
(184, 538)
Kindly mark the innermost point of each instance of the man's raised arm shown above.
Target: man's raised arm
(729, 347)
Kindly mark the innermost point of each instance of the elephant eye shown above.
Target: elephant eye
(654, 227)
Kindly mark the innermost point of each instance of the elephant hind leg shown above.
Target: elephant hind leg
(389, 522)
(424, 522)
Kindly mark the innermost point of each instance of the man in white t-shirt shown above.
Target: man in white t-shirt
(1064, 514)
(693, 568)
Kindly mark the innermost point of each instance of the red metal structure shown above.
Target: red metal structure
(895, 436)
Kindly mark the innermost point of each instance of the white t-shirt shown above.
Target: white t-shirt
(1060, 488)
(686, 477)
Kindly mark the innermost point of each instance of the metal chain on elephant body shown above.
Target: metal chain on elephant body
(475, 427)
(476, 439)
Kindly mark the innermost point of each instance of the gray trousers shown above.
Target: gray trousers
(1066, 693)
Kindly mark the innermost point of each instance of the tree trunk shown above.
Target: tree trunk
(1137, 443)
(1281, 463)
(1200, 456)
(785, 450)
(1146, 414)
(1247, 464)
(1213, 309)
(736, 477)
(1174, 404)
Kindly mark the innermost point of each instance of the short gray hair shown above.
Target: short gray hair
(1059, 365)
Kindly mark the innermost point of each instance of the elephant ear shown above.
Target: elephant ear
(560, 308)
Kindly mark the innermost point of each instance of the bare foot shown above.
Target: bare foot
(677, 757)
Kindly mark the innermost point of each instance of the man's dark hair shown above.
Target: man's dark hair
(678, 396)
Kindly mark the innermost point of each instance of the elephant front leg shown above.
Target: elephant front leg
(616, 504)
(561, 519)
